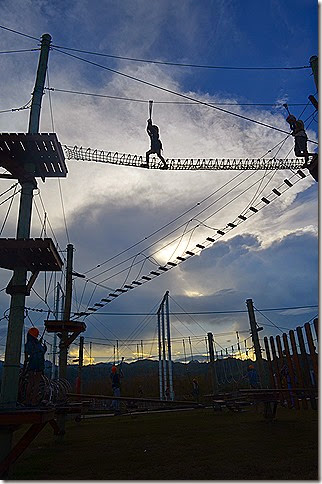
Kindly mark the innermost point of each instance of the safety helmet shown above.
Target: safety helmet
(251, 367)
(290, 118)
(114, 369)
(300, 123)
(34, 332)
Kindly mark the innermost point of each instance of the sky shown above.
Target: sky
(271, 258)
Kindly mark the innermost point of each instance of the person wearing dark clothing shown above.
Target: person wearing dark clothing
(253, 377)
(195, 389)
(156, 145)
(34, 365)
(300, 137)
(116, 376)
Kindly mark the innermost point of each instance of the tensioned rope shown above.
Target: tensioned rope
(177, 228)
(179, 64)
(277, 192)
(198, 101)
(120, 98)
(156, 61)
(240, 217)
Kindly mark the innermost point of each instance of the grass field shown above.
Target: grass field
(198, 444)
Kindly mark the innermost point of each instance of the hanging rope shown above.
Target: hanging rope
(150, 109)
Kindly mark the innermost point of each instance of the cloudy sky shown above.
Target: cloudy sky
(158, 215)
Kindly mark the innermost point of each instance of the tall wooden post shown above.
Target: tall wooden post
(314, 62)
(214, 379)
(67, 309)
(254, 333)
(11, 367)
(63, 347)
(80, 363)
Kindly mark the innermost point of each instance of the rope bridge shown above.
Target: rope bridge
(116, 158)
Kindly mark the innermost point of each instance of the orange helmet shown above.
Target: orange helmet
(251, 367)
(114, 369)
(34, 332)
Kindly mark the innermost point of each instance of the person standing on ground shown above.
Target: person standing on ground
(34, 366)
(116, 375)
(253, 377)
(195, 389)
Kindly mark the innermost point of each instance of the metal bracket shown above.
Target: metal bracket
(21, 289)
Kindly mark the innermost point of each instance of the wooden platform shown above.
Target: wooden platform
(53, 326)
(33, 254)
(41, 149)
(25, 416)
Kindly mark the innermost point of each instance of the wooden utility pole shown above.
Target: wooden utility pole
(11, 367)
(63, 346)
(212, 363)
(314, 62)
(10, 376)
(80, 363)
(254, 334)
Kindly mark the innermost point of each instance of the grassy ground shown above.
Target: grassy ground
(198, 445)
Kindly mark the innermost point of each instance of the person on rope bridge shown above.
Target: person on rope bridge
(116, 375)
(253, 377)
(34, 366)
(156, 145)
(300, 138)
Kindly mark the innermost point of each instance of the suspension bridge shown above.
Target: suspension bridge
(79, 153)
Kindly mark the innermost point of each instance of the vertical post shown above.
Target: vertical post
(11, 367)
(291, 370)
(80, 363)
(305, 368)
(269, 361)
(212, 363)
(169, 345)
(57, 300)
(66, 316)
(160, 356)
(184, 351)
(141, 349)
(254, 333)
(312, 349)
(314, 62)
(10, 376)
(190, 348)
(297, 365)
(164, 358)
(207, 354)
(63, 348)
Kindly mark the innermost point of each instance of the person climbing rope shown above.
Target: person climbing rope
(34, 366)
(156, 145)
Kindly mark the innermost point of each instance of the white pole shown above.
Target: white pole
(160, 357)
(169, 345)
(164, 358)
